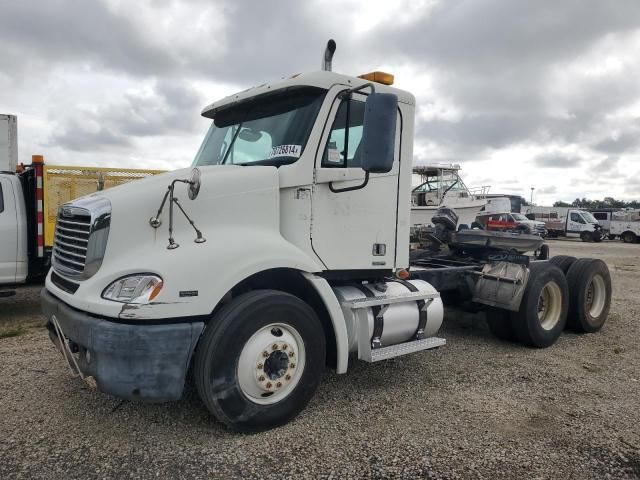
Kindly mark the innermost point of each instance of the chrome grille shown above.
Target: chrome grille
(71, 240)
(80, 238)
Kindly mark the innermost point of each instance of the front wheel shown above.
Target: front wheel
(586, 237)
(260, 360)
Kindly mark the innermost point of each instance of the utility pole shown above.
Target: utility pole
(532, 189)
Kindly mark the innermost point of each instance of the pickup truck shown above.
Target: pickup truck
(29, 201)
(511, 222)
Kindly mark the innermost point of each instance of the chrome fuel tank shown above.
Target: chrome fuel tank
(400, 319)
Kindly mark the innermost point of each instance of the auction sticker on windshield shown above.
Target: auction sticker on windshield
(286, 151)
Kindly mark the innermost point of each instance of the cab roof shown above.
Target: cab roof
(320, 79)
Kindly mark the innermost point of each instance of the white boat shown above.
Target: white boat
(440, 185)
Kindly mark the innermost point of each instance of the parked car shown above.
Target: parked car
(511, 222)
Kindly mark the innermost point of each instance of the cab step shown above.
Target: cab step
(383, 353)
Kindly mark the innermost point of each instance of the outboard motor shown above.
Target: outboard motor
(444, 222)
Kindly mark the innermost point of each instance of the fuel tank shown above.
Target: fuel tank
(400, 319)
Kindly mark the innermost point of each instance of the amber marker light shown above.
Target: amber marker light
(402, 274)
(156, 290)
(378, 77)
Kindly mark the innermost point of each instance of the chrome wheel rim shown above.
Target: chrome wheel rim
(271, 364)
(549, 306)
(596, 296)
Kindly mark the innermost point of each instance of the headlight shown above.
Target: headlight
(141, 288)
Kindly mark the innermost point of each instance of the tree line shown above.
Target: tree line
(607, 202)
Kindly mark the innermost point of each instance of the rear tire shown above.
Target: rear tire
(260, 360)
(499, 322)
(590, 295)
(543, 311)
(563, 262)
(629, 237)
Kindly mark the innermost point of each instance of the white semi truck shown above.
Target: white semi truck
(282, 250)
(568, 222)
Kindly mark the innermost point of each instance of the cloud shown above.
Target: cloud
(619, 143)
(165, 108)
(557, 160)
(548, 190)
(505, 86)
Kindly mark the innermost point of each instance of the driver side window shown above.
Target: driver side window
(576, 218)
(340, 152)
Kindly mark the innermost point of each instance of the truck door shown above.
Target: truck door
(353, 224)
(575, 224)
(8, 232)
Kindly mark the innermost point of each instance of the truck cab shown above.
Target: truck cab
(296, 206)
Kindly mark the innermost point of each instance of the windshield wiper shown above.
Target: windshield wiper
(233, 140)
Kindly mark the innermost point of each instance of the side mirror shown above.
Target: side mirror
(379, 132)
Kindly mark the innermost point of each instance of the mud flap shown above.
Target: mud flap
(501, 285)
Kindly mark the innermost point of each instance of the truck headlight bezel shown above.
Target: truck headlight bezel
(139, 288)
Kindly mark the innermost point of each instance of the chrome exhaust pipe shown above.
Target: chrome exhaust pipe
(328, 55)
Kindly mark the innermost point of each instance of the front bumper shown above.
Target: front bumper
(136, 362)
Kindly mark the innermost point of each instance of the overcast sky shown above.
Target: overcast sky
(538, 93)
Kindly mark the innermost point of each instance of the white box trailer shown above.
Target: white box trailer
(8, 143)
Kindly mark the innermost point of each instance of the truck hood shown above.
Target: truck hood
(223, 190)
(238, 212)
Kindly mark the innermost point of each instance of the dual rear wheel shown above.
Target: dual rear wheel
(561, 292)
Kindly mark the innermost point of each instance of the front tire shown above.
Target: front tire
(586, 237)
(543, 311)
(260, 360)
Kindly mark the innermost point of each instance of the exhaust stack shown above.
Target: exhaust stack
(328, 55)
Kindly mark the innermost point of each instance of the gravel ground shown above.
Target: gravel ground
(477, 408)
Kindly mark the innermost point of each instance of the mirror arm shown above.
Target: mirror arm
(343, 95)
(346, 93)
(350, 189)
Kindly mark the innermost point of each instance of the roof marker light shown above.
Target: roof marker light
(378, 77)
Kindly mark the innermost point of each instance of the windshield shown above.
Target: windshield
(590, 218)
(271, 130)
(519, 217)
(446, 181)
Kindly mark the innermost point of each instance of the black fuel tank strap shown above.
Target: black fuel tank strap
(378, 318)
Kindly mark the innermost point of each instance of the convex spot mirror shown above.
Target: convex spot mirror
(379, 133)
